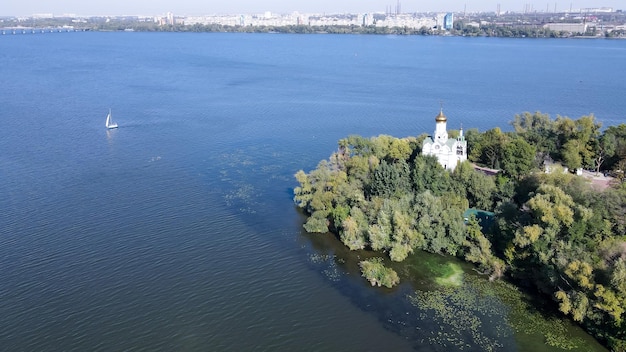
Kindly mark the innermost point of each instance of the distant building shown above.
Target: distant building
(43, 15)
(567, 27)
(597, 10)
(368, 20)
(448, 21)
(449, 152)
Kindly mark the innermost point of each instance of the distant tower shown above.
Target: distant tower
(366, 20)
(448, 21)
(441, 132)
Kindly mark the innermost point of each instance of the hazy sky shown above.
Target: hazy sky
(199, 7)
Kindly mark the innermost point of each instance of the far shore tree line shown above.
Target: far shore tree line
(482, 25)
(458, 30)
(552, 232)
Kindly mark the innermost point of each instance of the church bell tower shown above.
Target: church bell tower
(441, 134)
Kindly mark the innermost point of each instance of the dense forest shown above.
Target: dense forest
(552, 232)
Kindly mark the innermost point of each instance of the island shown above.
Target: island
(542, 206)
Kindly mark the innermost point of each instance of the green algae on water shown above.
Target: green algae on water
(451, 275)
(489, 312)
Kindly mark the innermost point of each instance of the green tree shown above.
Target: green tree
(605, 148)
(474, 139)
(440, 222)
(618, 276)
(358, 168)
(400, 149)
(354, 229)
(577, 139)
(488, 149)
(317, 222)
(538, 130)
(381, 230)
(619, 155)
(574, 303)
(610, 304)
(428, 174)
(587, 131)
(389, 180)
(518, 157)
(382, 144)
(475, 186)
(571, 154)
(405, 237)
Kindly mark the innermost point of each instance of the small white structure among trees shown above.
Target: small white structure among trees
(449, 151)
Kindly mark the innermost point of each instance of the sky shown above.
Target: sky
(208, 7)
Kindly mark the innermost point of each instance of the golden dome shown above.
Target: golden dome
(441, 117)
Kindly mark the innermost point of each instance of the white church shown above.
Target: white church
(448, 151)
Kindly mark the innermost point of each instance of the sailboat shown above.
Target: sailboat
(110, 124)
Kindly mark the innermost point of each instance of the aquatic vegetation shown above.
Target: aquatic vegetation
(461, 312)
(479, 306)
(329, 263)
(246, 195)
(316, 258)
(377, 274)
(451, 275)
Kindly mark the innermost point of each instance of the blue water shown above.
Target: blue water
(177, 230)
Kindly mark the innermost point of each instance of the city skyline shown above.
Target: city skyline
(196, 7)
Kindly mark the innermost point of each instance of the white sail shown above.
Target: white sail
(109, 123)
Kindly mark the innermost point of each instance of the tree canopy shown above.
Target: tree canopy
(552, 231)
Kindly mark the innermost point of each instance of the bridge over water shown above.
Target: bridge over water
(37, 30)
